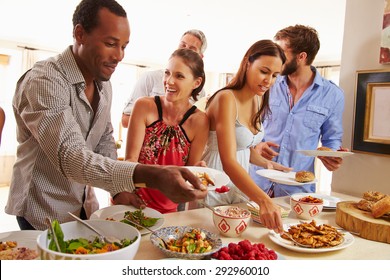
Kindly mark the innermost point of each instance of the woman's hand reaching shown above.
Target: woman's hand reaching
(278, 166)
(201, 163)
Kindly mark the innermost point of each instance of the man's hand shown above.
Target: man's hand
(333, 163)
(179, 184)
(264, 149)
(127, 198)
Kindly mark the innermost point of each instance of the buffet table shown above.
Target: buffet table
(361, 249)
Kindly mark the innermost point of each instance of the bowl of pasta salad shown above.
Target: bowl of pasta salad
(185, 242)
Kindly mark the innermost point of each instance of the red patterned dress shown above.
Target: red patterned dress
(164, 145)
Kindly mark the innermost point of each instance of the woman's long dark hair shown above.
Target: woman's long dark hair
(262, 47)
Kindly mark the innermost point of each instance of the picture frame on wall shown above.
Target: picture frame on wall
(371, 132)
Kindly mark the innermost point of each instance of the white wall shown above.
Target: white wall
(361, 45)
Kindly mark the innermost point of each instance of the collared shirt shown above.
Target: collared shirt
(150, 84)
(316, 116)
(63, 144)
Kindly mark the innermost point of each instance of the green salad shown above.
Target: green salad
(83, 245)
(139, 217)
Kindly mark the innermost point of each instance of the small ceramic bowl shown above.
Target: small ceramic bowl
(231, 221)
(75, 230)
(307, 209)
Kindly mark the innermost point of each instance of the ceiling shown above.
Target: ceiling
(231, 26)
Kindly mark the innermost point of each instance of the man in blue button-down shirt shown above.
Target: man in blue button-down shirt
(305, 108)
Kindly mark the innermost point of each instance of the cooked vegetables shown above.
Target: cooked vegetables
(191, 242)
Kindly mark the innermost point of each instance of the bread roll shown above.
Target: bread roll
(381, 207)
(304, 176)
(324, 149)
(373, 196)
(365, 205)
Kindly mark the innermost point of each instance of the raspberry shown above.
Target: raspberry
(245, 250)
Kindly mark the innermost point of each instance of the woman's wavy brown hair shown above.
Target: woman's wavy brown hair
(258, 49)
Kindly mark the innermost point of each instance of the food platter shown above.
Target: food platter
(280, 177)
(117, 212)
(219, 177)
(177, 232)
(24, 238)
(317, 153)
(277, 239)
(330, 202)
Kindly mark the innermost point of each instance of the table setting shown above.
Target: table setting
(212, 230)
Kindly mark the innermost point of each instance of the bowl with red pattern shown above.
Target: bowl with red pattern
(231, 221)
(305, 206)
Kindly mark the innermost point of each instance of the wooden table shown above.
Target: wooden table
(361, 249)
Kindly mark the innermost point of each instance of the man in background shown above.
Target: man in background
(305, 108)
(151, 82)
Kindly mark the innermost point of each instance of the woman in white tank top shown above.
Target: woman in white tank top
(235, 113)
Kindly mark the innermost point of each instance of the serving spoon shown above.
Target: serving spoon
(102, 237)
(165, 245)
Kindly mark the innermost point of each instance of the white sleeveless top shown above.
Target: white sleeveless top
(244, 139)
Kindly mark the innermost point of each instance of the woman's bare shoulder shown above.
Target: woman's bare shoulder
(145, 101)
(225, 95)
(201, 115)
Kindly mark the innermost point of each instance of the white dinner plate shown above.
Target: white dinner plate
(24, 238)
(219, 177)
(317, 153)
(330, 202)
(117, 213)
(280, 177)
(275, 237)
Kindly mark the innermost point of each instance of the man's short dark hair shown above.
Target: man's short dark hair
(86, 12)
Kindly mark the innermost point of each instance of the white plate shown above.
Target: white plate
(330, 202)
(117, 213)
(275, 237)
(24, 238)
(219, 177)
(317, 153)
(286, 178)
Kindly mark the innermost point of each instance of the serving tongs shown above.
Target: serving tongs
(51, 230)
(165, 245)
